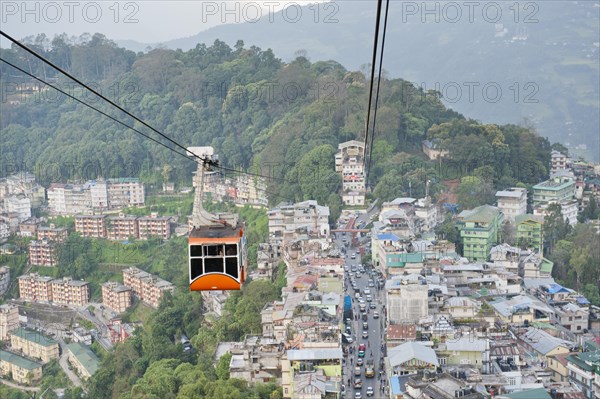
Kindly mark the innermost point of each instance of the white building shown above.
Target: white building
(286, 221)
(124, 192)
(406, 302)
(4, 232)
(99, 194)
(349, 161)
(558, 161)
(512, 202)
(19, 204)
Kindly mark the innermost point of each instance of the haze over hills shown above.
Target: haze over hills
(536, 64)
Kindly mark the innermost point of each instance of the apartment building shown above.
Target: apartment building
(349, 161)
(19, 204)
(512, 202)
(558, 161)
(83, 360)
(127, 191)
(554, 190)
(91, 225)
(42, 253)
(147, 287)
(154, 226)
(116, 296)
(530, 232)
(581, 368)
(69, 199)
(70, 292)
(34, 345)
(480, 229)
(4, 279)
(35, 287)
(122, 227)
(99, 194)
(52, 233)
(287, 221)
(61, 291)
(9, 320)
(22, 370)
(406, 303)
(4, 232)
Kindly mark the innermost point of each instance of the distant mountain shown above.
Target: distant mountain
(537, 64)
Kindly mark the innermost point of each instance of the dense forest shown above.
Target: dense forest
(279, 119)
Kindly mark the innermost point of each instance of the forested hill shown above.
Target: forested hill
(275, 118)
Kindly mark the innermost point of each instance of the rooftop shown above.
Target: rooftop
(481, 214)
(314, 354)
(33, 336)
(85, 356)
(412, 350)
(18, 360)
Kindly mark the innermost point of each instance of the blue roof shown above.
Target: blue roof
(556, 288)
(388, 237)
(582, 300)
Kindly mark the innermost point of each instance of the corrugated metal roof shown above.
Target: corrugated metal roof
(412, 350)
(314, 354)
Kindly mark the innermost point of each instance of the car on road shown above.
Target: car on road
(359, 361)
(370, 391)
(357, 383)
(357, 370)
(365, 334)
(367, 291)
(357, 395)
(375, 314)
(365, 317)
(347, 338)
(371, 284)
(343, 390)
(372, 306)
(369, 298)
(358, 275)
(353, 256)
(365, 326)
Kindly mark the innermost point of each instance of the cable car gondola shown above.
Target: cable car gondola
(216, 242)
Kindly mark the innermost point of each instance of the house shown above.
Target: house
(410, 357)
(22, 370)
(349, 161)
(480, 230)
(462, 307)
(544, 344)
(83, 359)
(554, 190)
(522, 309)
(116, 296)
(9, 320)
(406, 302)
(465, 350)
(432, 150)
(398, 334)
(4, 280)
(572, 317)
(297, 362)
(558, 364)
(583, 368)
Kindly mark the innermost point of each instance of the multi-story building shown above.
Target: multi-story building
(555, 190)
(154, 226)
(34, 345)
(4, 232)
(406, 303)
(349, 161)
(512, 202)
(99, 194)
(70, 292)
(52, 233)
(4, 279)
(35, 287)
(19, 204)
(91, 225)
(83, 359)
(69, 199)
(147, 287)
(9, 320)
(42, 253)
(22, 370)
(558, 161)
(122, 227)
(287, 221)
(123, 192)
(530, 232)
(572, 317)
(581, 367)
(116, 296)
(433, 150)
(480, 230)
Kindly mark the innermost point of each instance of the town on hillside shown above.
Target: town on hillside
(408, 298)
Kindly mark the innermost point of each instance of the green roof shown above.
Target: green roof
(19, 361)
(528, 217)
(85, 356)
(482, 214)
(34, 336)
(579, 361)
(539, 393)
(124, 180)
(546, 266)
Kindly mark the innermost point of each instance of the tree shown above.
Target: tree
(222, 369)
(555, 226)
(473, 192)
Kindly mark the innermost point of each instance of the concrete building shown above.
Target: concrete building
(558, 161)
(122, 227)
(583, 368)
(116, 296)
(69, 199)
(326, 361)
(19, 204)
(91, 225)
(410, 357)
(99, 194)
(147, 287)
(287, 221)
(4, 232)
(83, 360)
(34, 345)
(406, 303)
(52, 233)
(9, 320)
(480, 230)
(22, 370)
(512, 202)
(123, 192)
(433, 150)
(35, 287)
(530, 232)
(349, 161)
(572, 317)
(465, 350)
(555, 190)
(4, 279)
(42, 253)
(154, 226)
(67, 291)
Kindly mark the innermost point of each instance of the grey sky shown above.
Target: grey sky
(143, 21)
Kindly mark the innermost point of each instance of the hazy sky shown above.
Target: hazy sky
(144, 21)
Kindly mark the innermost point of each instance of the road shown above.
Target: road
(19, 387)
(374, 340)
(65, 366)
